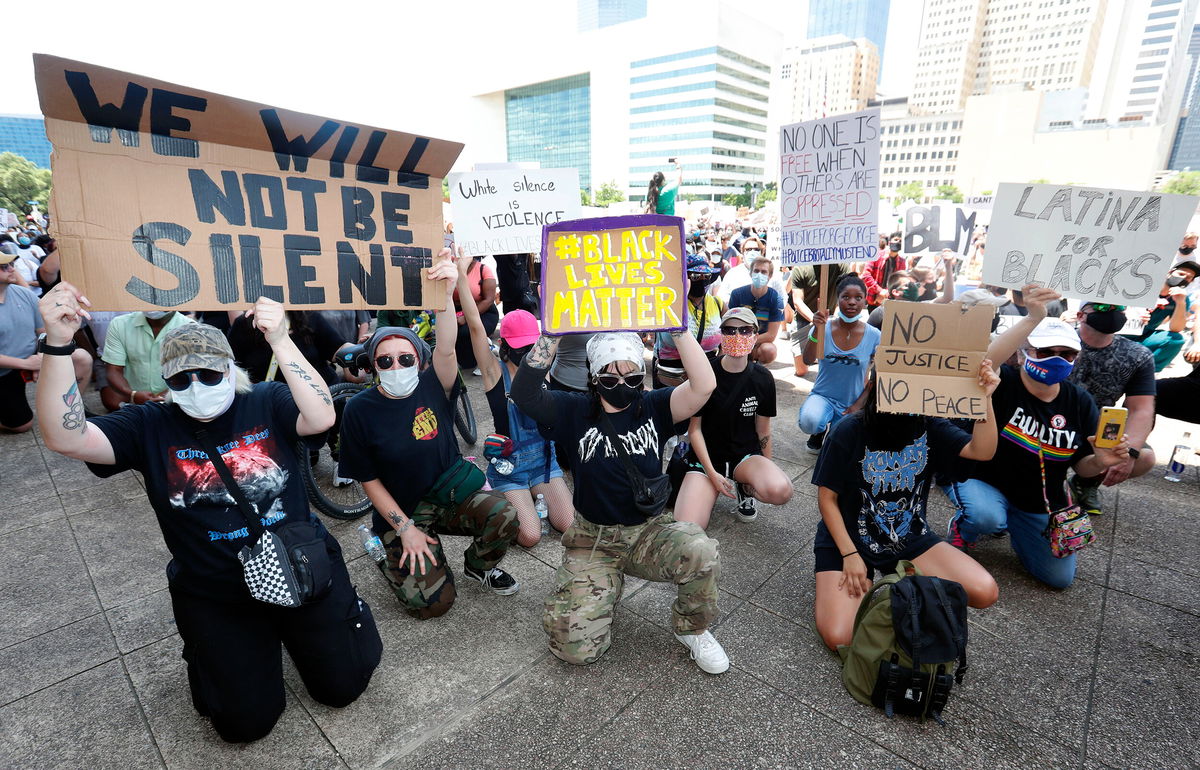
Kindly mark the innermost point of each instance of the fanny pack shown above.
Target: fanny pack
(650, 495)
(290, 566)
(1069, 529)
(456, 484)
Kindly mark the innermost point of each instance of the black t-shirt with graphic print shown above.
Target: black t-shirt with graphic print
(1123, 368)
(882, 492)
(406, 443)
(603, 491)
(727, 422)
(201, 523)
(1060, 426)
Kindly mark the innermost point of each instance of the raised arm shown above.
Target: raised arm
(527, 391)
(688, 398)
(982, 445)
(309, 390)
(947, 282)
(445, 361)
(1036, 298)
(480, 346)
(59, 402)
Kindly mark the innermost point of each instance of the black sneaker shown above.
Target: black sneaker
(495, 579)
(745, 505)
(814, 443)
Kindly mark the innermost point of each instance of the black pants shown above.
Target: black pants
(1179, 397)
(462, 343)
(234, 660)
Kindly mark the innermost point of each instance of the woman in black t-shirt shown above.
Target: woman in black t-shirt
(873, 477)
(618, 430)
(316, 339)
(731, 436)
(231, 642)
(398, 440)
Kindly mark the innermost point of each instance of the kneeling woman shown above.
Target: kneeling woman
(618, 431)
(731, 436)
(231, 642)
(398, 440)
(873, 479)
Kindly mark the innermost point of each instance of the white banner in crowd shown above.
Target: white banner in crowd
(1090, 243)
(929, 229)
(775, 242)
(502, 212)
(829, 189)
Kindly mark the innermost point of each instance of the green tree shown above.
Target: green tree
(445, 190)
(909, 191)
(768, 194)
(985, 192)
(609, 193)
(732, 199)
(1184, 183)
(585, 198)
(949, 192)
(21, 182)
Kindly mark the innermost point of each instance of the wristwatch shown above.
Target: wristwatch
(54, 350)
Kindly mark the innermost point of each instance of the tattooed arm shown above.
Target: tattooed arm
(762, 426)
(414, 542)
(59, 402)
(309, 391)
(527, 391)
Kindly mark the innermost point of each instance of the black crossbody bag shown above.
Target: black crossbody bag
(290, 566)
(649, 495)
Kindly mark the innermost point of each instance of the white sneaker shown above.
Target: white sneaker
(340, 481)
(706, 651)
(477, 373)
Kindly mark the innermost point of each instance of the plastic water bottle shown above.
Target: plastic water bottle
(543, 514)
(1179, 459)
(371, 543)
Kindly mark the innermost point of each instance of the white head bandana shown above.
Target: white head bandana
(607, 347)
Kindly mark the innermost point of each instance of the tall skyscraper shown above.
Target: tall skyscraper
(852, 18)
(597, 14)
(1185, 152)
(825, 76)
(25, 135)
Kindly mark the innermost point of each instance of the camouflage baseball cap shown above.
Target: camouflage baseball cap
(194, 346)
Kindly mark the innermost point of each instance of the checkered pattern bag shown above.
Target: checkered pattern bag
(269, 573)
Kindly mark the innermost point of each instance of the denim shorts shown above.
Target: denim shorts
(530, 471)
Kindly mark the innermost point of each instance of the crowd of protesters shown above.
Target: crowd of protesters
(601, 411)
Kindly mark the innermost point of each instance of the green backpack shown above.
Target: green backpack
(910, 633)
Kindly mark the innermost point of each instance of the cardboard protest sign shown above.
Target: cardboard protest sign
(929, 229)
(614, 274)
(928, 359)
(503, 212)
(167, 196)
(979, 202)
(829, 189)
(1090, 243)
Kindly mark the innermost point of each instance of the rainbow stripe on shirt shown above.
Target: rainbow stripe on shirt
(1027, 432)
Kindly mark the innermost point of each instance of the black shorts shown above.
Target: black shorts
(829, 559)
(14, 408)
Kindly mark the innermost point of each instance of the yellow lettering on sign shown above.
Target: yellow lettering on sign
(664, 298)
(573, 281)
(565, 303)
(591, 248)
(661, 242)
(629, 244)
(653, 271)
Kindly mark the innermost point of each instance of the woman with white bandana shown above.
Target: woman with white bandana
(618, 430)
(231, 642)
(731, 436)
(849, 348)
(398, 440)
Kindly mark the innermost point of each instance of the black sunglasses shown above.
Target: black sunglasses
(1067, 355)
(745, 331)
(183, 380)
(1105, 308)
(610, 381)
(404, 359)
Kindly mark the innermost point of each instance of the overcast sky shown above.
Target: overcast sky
(389, 64)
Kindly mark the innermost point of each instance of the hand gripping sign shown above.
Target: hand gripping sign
(168, 196)
(614, 274)
(928, 359)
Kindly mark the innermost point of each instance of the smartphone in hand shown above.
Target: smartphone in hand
(1111, 427)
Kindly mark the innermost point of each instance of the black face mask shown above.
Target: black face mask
(621, 396)
(893, 247)
(1186, 249)
(1108, 322)
(1177, 280)
(697, 288)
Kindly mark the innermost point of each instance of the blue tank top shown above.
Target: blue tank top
(843, 372)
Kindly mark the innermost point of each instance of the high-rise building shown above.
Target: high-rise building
(25, 135)
(976, 46)
(825, 76)
(852, 18)
(596, 14)
(700, 94)
(1185, 152)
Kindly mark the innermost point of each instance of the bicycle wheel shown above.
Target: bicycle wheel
(464, 415)
(319, 466)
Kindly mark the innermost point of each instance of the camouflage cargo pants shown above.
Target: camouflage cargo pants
(579, 612)
(486, 517)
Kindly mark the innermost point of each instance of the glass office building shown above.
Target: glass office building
(598, 14)
(25, 135)
(852, 18)
(551, 122)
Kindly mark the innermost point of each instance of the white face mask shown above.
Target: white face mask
(155, 315)
(752, 253)
(862, 316)
(204, 402)
(400, 382)
(759, 280)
